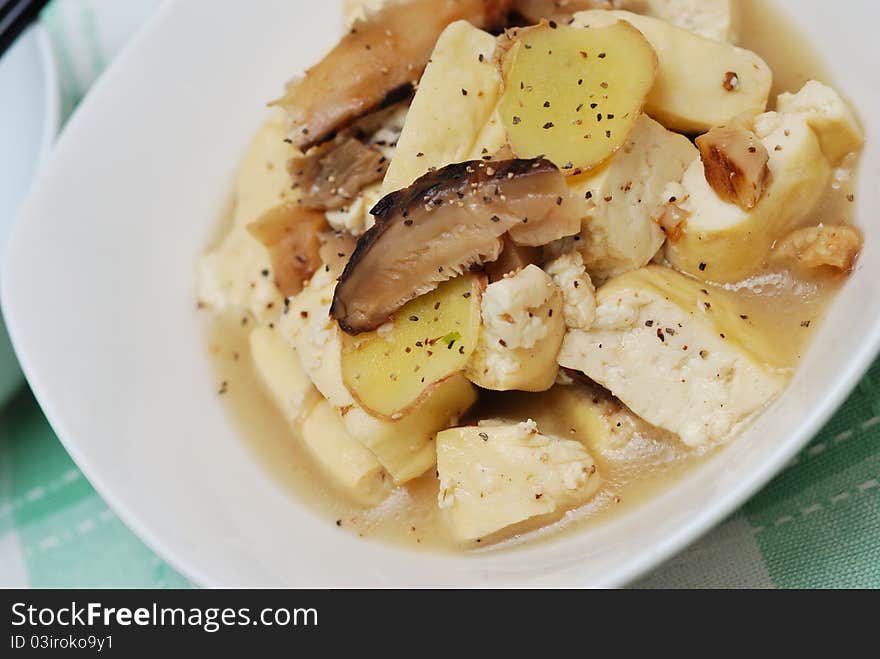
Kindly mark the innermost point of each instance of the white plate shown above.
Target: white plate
(98, 291)
(29, 116)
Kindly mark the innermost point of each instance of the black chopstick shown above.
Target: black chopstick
(15, 16)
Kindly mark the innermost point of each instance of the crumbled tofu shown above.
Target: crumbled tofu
(237, 274)
(523, 324)
(495, 475)
(720, 241)
(444, 124)
(355, 218)
(404, 447)
(578, 293)
(835, 246)
(829, 115)
(680, 355)
(625, 198)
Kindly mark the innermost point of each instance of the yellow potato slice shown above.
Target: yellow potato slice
(390, 371)
(573, 94)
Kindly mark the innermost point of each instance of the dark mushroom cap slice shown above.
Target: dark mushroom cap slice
(445, 223)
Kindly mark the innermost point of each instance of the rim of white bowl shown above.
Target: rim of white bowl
(51, 90)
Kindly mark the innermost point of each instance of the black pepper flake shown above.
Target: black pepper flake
(559, 201)
(580, 81)
(660, 335)
(484, 436)
(408, 223)
(548, 125)
(546, 104)
(806, 323)
(420, 154)
(464, 92)
(552, 25)
(338, 522)
(481, 57)
(224, 387)
(601, 55)
(495, 218)
(702, 267)
(265, 273)
(589, 194)
(516, 120)
(599, 117)
(649, 323)
(502, 343)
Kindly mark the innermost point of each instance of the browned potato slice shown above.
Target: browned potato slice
(391, 370)
(573, 94)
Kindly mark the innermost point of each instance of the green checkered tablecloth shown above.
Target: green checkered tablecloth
(816, 525)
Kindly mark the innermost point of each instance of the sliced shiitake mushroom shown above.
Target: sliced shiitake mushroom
(825, 245)
(336, 248)
(332, 174)
(291, 234)
(446, 222)
(736, 164)
(376, 64)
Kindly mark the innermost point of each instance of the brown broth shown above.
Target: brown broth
(789, 307)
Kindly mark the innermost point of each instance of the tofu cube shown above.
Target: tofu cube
(625, 198)
(523, 325)
(681, 355)
(493, 476)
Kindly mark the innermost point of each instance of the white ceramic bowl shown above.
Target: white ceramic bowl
(29, 117)
(99, 296)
